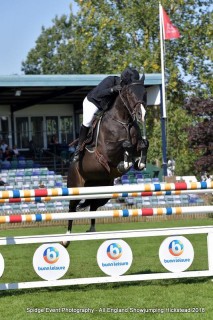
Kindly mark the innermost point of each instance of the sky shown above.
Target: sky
(20, 26)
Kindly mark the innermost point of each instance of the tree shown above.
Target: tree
(105, 36)
(201, 133)
(178, 146)
(55, 51)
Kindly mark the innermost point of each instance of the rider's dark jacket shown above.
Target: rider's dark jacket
(102, 96)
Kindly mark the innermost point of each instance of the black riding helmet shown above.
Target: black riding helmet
(129, 75)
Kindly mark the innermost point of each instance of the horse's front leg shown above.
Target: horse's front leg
(127, 155)
(123, 166)
(140, 162)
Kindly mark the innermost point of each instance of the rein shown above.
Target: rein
(124, 102)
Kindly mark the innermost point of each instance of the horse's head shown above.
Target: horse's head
(134, 99)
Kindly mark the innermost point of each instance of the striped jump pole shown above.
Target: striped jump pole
(39, 217)
(105, 196)
(156, 187)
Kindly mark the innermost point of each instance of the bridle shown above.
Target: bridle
(134, 109)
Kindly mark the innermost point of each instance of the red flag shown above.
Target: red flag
(169, 30)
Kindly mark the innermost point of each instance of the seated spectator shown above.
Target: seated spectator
(32, 149)
(8, 154)
(55, 146)
(1, 155)
(15, 152)
(3, 146)
(54, 139)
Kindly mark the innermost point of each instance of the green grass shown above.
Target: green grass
(160, 294)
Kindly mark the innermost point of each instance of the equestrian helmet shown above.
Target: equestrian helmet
(129, 75)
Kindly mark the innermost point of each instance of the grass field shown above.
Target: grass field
(162, 299)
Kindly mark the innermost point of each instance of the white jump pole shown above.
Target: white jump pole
(104, 214)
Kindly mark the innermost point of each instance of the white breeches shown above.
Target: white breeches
(89, 109)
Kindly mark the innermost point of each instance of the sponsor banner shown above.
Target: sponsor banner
(176, 253)
(51, 261)
(1, 265)
(114, 257)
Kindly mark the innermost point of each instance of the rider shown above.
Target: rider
(100, 98)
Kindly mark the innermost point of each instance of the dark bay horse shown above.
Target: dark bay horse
(115, 145)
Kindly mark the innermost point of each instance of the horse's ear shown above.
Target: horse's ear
(143, 78)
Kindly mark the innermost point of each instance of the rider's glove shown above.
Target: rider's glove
(116, 88)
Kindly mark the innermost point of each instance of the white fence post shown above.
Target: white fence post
(210, 251)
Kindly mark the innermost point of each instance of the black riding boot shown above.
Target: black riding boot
(82, 137)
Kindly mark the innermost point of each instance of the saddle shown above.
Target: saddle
(90, 144)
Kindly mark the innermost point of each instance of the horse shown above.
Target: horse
(114, 145)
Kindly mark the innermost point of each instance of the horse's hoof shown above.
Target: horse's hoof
(65, 244)
(82, 209)
(139, 165)
(92, 229)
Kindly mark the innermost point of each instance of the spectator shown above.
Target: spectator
(3, 146)
(1, 155)
(171, 167)
(8, 155)
(55, 145)
(15, 152)
(208, 178)
(54, 139)
(203, 176)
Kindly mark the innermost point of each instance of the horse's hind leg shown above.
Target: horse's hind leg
(93, 207)
(72, 208)
(92, 226)
(95, 204)
(69, 229)
(74, 180)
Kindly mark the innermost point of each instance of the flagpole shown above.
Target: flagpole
(162, 62)
(163, 98)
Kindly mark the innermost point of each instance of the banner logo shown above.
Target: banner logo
(176, 254)
(51, 255)
(114, 257)
(176, 248)
(51, 262)
(114, 251)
